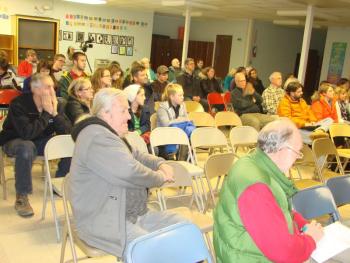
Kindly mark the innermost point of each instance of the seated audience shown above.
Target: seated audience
(238, 70)
(342, 105)
(140, 115)
(252, 77)
(199, 67)
(289, 80)
(247, 103)
(294, 107)
(117, 76)
(101, 79)
(128, 78)
(273, 94)
(228, 79)
(344, 83)
(69, 61)
(28, 66)
(43, 67)
(58, 62)
(174, 70)
(80, 95)
(77, 71)
(253, 220)
(209, 84)
(7, 77)
(109, 180)
(160, 83)
(151, 76)
(323, 103)
(32, 120)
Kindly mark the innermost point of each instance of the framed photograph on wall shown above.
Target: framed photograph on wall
(99, 38)
(107, 39)
(129, 51)
(114, 49)
(115, 40)
(92, 37)
(79, 37)
(130, 41)
(122, 40)
(67, 35)
(122, 50)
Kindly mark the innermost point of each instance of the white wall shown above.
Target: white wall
(142, 35)
(336, 34)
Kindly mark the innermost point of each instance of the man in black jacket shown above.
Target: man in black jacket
(32, 120)
(247, 103)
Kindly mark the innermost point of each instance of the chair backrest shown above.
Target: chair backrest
(227, 97)
(218, 164)
(137, 142)
(322, 148)
(7, 95)
(215, 98)
(59, 146)
(227, 118)
(156, 105)
(243, 135)
(193, 106)
(182, 242)
(153, 121)
(181, 175)
(201, 119)
(208, 137)
(314, 202)
(339, 130)
(340, 188)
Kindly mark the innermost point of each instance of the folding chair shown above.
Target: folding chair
(182, 242)
(341, 130)
(322, 149)
(243, 136)
(60, 146)
(193, 106)
(153, 121)
(340, 188)
(201, 119)
(225, 120)
(227, 100)
(156, 105)
(314, 202)
(215, 98)
(70, 232)
(136, 141)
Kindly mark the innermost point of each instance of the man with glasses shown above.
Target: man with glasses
(253, 220)
(58, 62)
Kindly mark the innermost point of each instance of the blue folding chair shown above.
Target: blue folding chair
(314, 202)
(182, 242)
(340, 188)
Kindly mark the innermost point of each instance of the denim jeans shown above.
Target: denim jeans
(25, 152)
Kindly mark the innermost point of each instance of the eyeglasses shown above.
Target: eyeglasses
(86, 89)
(299, 154)
(107, 76)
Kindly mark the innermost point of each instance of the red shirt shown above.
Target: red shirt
(25, 69)
(267, 226)
(75, 76)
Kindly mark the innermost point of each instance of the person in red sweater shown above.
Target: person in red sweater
(324, 103)
(25, 68)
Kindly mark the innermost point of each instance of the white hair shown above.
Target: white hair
(104, 99)
(273, 74)
(37, 80)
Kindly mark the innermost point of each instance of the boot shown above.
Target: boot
(22, 206)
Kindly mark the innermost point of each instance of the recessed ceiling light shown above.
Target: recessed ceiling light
(89, 2)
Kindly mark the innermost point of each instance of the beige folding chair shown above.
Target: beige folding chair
(207, 137)
(60, 146)
(136, 141)
(201, 119)
(227, 118)
(193, 106)
(153, 121)
(183, 179)
(243, 136)
(341, 130)
(70, 232)
(216, 166)
(171, 135)
(156, 105)
(323, 149)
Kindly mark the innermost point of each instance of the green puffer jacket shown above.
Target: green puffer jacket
(231, 240)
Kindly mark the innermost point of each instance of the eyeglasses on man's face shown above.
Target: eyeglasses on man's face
(299, 154)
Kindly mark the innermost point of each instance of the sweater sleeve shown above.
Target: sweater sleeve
(267, 226)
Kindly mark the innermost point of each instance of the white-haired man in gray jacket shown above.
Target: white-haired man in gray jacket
(109, 180)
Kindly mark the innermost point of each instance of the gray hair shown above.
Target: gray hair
(290, 80)
(275, 135)
(273, 74)
(37, 80)
(104, 99)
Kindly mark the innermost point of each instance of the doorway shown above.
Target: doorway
(222, 55)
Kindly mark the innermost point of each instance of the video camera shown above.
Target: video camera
(87, 44)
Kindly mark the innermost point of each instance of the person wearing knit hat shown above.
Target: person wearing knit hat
(140, 114)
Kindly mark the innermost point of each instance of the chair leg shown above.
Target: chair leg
(64, 243)
(44, 200)
(54, 212)
(210, 245)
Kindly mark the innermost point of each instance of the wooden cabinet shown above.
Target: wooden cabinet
(7, 44)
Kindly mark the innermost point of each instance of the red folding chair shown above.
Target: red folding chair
(227, 100)
(6, 96)
(215, 99)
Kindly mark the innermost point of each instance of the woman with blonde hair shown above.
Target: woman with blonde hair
(323, 103)
(342, 105)
(117, 76)
(101, 79)
(80, 95)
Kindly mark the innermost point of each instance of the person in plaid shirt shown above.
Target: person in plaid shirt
(273, 94)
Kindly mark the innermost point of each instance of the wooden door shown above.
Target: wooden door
(222, 55)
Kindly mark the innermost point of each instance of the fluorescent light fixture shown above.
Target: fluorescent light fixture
(293, 23)
(89, 2)
(302, 13)
(188, 3)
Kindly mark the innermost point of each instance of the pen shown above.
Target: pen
(304, 229)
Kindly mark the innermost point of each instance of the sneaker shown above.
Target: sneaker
(23, 207)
